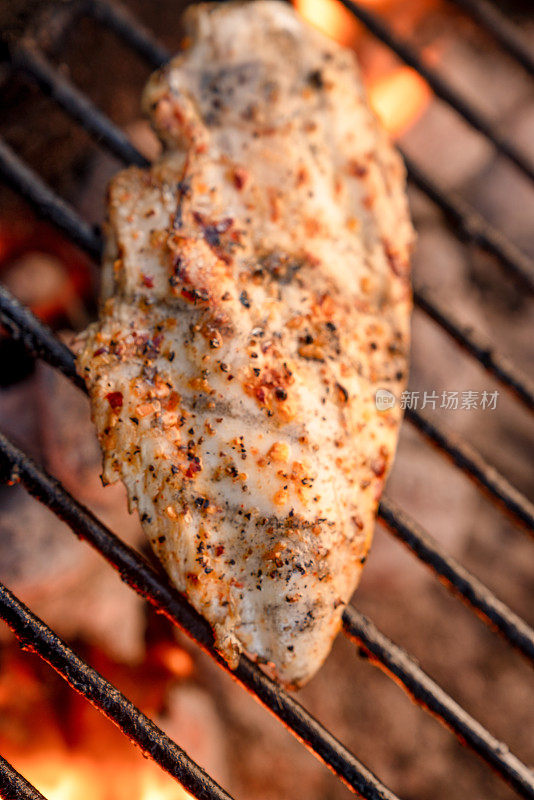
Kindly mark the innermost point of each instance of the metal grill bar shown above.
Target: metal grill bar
(143, 578)
(479, 347)
(458, 579)
(400, 666)
(469, 460)
(124, 24)
(28, 58)
(509, 37)
(40, 341)
(441, 87)
(13, 786)
(34, 635)
(470, 224)
(37, 337)
(46, 202)
(50, 205)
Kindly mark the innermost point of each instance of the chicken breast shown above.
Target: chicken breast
(255, 298)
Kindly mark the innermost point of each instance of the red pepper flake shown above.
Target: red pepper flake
(357, 169)
(148, 281)
(194, 466)
(115, 400)
(240, 177)
(100, 351)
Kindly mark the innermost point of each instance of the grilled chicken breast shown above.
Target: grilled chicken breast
(255, 298)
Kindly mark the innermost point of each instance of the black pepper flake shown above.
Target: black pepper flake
(134, 420)
(161, 539)
(280, 393)
(244, 299)
(171, 356)
(343, 394)
(315, 79)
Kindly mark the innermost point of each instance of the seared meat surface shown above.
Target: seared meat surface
(255, 297)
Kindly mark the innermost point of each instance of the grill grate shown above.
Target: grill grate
(441, 87)
(143, 578)
(33, 633)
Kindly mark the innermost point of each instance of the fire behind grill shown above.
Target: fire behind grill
(16, 467)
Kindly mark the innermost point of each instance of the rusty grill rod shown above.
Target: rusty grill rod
(478, 346)
(397, 664)
(440, 86)
(457, 578)
(40, 341)
(469, 460)
(503, 31)
(122, 22)
(142, 577)
(29, 58)
(469, 225)
(34, 635)
(47, 203)
(14, 786)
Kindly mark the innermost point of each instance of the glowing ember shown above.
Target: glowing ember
(398, 99)
(67, 749)
(66, 776)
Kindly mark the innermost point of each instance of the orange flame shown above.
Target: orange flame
(67, 776)
(330, 17)
(399, 95)
(398, 99)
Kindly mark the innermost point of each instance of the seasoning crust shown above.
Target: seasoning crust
(255, 297)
